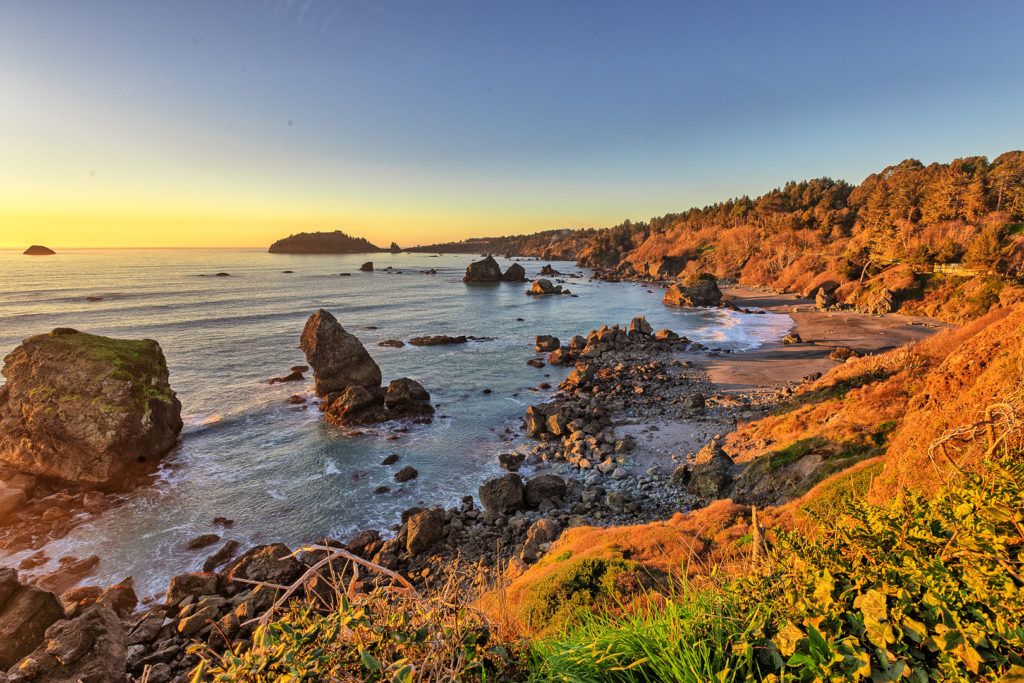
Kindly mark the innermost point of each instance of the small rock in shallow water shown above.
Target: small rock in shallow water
(406, 474)
(390, 460)
(203, 541)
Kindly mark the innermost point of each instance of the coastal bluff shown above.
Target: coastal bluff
(336, 242)
(86, 410)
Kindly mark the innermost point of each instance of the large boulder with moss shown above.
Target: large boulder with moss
(694, 290)
(86, 410)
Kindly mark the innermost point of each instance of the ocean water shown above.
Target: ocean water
(280, 472)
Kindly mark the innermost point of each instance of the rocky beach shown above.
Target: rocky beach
(633, 434)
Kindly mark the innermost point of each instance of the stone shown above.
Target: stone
(392, 343)
(502, 494)
(694, 401)
(711, 477)
(196, 621)
(680, 476)
(514, 273)
(190, 585)
(86, 410)
(367, 267)
(405, 474)
(267, 563)
(541, 533)
(120, 598)
(546, 342)
(226, 552)
(439, 340)
(666, 335)
(639, 325)
(403, 391)
(26, 613)
(486, 270)
(71, 571)
(91, 648)
(290, 377)
(792, 338)
(543, 287)
(38, 250)
(424, 530)
(203, 541)
(511, 461)
(543, 487)
(395, 249)
(338, 358)
(390, 460)
(694, 290)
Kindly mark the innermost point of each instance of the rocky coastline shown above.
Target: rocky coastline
(595, 455)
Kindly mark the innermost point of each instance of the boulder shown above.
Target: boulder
(367, 267)
(515, 273)
(792, 338)
(711, 477)
(502, 494)
(511, 461)
(546, 342)
(695, 290)
(541, 533)
(666, 335)
(639, 325)
(91, 648)
(438, 340)
(486, 270)
(405, 474)
(338, 359)
(268, 563)
(190, 585)
(38, 250)
(25, 615)
(403, 391)
(86, 410)
(543, 487)
(425, 529)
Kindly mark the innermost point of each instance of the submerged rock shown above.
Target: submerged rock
(338, 358)
(86, 410)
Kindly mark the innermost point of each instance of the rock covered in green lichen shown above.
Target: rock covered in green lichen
(85, 409)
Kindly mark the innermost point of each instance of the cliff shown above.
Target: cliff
(335, 242)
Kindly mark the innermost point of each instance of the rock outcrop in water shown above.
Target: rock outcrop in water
(338, 359)
(86, 410)
(486, 270)
(38, 250)
(349, 380)
(696, 290)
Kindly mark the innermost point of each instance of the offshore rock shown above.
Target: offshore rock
(543, 287)
(515, 273)
(486, 270)
(695, 290)
(367, 267)
(338, 359)
(38, 250)
(86, 410)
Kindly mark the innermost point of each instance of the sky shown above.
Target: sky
(224, 123)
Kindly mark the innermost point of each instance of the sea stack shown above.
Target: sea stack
(486, 270)
(39, 250)
(86, 410)
(338, 359)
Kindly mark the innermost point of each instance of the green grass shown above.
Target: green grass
(776, 460)
(692, 638)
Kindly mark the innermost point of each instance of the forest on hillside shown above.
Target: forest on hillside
(922, 237)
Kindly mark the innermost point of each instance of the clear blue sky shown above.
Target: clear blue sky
(226, 122)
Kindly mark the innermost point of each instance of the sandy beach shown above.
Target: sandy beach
(778, 364)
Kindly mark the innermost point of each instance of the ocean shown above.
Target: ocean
(280, 472)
